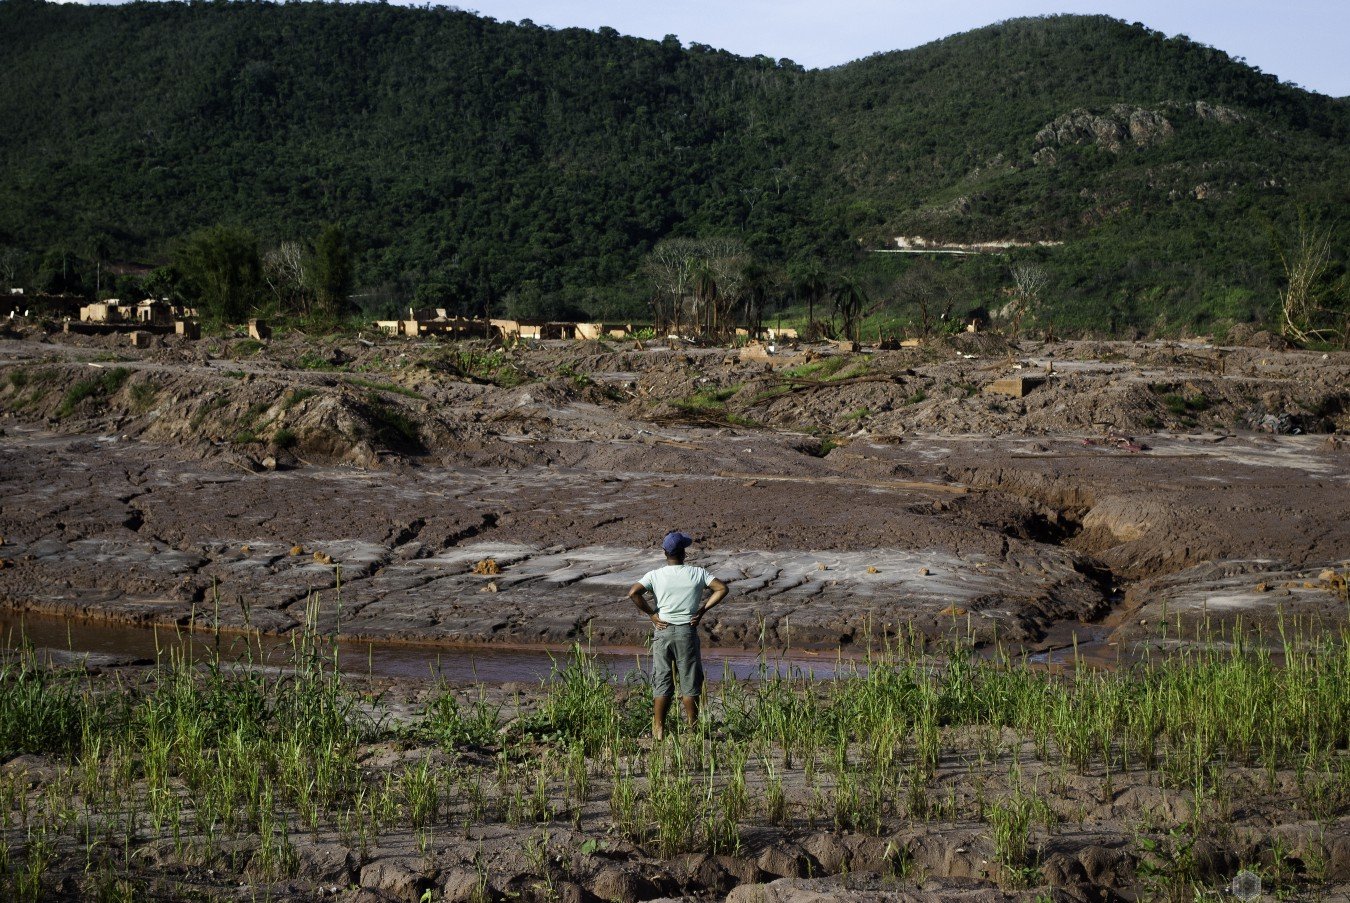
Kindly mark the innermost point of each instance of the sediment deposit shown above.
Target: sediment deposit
(846, 499)
(1163, 493)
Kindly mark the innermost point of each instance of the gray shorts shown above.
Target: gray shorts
(676, 645)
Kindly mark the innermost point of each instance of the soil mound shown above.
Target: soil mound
(1245, 336)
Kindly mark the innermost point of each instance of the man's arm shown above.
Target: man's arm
(719, 592)
(638, 593)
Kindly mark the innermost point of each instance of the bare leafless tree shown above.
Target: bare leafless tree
(669, 266)
(698, 282)
(931, 290)
(284, 272)
(1029, 282)
(11, 261)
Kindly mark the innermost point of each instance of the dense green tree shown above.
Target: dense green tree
(531, 302)
(60, 272)
(758, 283)
(164, 282)
(330, 270)
(222, 272)
(481, 156)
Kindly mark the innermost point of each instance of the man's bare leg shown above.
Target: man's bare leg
(690, 704)
(660, 706)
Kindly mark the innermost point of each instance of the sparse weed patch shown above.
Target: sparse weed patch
(823, 369)
(391, 426)
(296, 396)
(860, 368)
(97, 388)
(1185, 405)
(827, 445)
(580, 707)
(311, 361)
(249, 429)
(494, 367)
(448, 723)
(205, 410)
(771, 393)
(245, 348)
(384, 387)
(143, 396)
(711, 404)
(1011, 820)
(41, 711)
(578, 379)
(710, 400)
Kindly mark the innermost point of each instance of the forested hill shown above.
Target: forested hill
(479, 162)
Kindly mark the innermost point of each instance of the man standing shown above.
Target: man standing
(680, 606)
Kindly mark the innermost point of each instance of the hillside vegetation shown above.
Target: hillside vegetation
(491, 166)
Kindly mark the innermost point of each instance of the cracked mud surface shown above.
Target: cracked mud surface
(400, 465)
(161, 539)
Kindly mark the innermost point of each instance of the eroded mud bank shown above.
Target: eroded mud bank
(976, 538)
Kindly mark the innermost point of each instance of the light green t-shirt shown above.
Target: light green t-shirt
(678, 589)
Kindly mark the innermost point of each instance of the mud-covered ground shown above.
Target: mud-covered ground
(438, 492)
(841, 496)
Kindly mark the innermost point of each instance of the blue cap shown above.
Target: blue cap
(675, 541)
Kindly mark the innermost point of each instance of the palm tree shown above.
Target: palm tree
(756, 286)
(706, 293)
(100, 247)
(811, 282)
(849, 300)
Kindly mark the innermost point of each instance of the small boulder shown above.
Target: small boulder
(403, 878)
(827, 849)
(326, 863)
(464, 886)
(617, 883)
(787, 861)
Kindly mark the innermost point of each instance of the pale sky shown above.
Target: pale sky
(1300, 41)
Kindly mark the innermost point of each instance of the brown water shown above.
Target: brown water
(1066, 644)
(103, 645)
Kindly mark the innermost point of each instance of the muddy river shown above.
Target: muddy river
(76, 641)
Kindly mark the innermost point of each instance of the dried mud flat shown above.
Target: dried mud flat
(1158, 490)
(848, 497)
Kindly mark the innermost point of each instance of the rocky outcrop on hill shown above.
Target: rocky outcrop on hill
(1122, 125)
